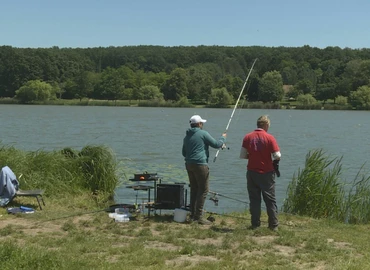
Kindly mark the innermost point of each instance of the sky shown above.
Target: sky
(270, 23)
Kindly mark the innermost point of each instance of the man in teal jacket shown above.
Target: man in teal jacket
(195, 150)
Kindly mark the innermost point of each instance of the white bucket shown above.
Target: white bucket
(121, 218)
(179, 215)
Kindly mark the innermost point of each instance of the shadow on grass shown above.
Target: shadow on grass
(222, 229)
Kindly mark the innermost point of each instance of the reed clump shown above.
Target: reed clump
(69, 172)
(99, 168)
(319, 191)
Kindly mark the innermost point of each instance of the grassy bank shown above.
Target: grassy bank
(60, 239)
(66, 175)
(74, 231)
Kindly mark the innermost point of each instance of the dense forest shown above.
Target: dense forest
(203, 74)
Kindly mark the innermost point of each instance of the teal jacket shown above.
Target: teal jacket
(195, 148)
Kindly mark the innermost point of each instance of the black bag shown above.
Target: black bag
(275, 163)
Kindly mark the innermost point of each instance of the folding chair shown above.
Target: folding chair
(37, 193)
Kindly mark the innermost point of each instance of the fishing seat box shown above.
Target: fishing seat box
(170, 196)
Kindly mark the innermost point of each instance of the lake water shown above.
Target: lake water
(150, 139)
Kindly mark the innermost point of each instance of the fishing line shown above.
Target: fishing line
(242, 105)
(244, 99)
(236, 104)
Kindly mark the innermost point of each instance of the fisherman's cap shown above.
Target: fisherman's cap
(197, 119)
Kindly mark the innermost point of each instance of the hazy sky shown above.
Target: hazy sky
(272, 23)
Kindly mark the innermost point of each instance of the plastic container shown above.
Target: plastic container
(121, 218)
(122, 211)
(119, 210)
(179, 215)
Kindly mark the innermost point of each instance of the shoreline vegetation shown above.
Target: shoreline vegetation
(184, 75)
(324, 223)
(183, 103)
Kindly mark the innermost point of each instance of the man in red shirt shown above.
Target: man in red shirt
(260, 148)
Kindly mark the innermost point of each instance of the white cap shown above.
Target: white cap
(197, 119)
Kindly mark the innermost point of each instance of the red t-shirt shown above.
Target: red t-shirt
(260, 145)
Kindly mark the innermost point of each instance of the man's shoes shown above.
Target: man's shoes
(203, 221)
(253, 227)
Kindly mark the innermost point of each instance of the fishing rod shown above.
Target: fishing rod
(215, 199)
(236, 104)
(210, 218)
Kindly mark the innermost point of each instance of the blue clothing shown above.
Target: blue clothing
(8, 185)
(196, 145)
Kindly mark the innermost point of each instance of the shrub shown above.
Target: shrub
(306, 99)
(35, 90)
(341, 100)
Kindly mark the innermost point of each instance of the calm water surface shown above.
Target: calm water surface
(150, 139)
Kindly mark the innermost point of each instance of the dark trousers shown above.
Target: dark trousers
(199, 179)
(262, 184)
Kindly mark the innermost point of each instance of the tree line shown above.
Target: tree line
(201, 74)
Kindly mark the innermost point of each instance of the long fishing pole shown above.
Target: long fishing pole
(218, 194)
(236, 104)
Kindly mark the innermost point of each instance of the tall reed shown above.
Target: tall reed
(99, 167)
(317, 190)
(66, 172)
(357, 204)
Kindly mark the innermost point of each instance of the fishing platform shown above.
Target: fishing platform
(166, 196)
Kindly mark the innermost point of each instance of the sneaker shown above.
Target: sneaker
(253, 227)
(204, 222)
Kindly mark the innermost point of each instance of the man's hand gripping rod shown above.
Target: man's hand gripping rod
(236, 105)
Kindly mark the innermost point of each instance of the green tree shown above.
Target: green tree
(156, 79)
(150, 92)
(329, 70)
(360, 99)
(252, 87)
(343, 86)
(111, 84)
(271, 87)
(199, 83)
(84, 84)
(307, 75)
(289, 75)
(35, 90)
(325, 91)
(128, 93)
(220, 98)
(293, 92)
(232, 84)
(305, 86)
(176, 86)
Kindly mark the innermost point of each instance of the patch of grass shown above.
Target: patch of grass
(319, 191)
